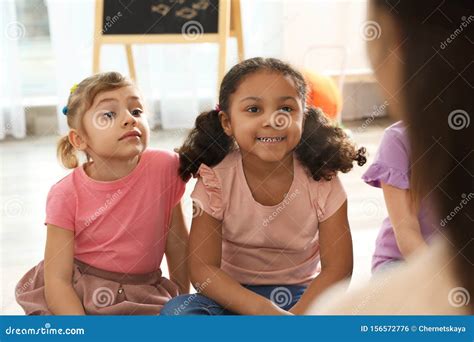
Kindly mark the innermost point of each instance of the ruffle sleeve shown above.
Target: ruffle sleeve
(378, 173)
(327, 197)
(207, 194)
(391, 164)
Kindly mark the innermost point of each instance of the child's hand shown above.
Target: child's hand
(295, 311)
(268, 308)
(278, 312)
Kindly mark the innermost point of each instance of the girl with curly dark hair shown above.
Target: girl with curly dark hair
(269, 204)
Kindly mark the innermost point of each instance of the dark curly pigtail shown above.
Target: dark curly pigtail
(206, 143)
(325, 149)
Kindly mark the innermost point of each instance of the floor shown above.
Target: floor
(29, 168)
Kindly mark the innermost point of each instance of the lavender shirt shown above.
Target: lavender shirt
(391, 166)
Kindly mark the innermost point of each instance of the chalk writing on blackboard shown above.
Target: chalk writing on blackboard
(158, 16)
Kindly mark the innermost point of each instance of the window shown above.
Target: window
(36, 59)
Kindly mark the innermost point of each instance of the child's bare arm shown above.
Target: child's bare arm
(205, 247)
(176, 250)
(58, 272)
(335, 244)
(403, 216)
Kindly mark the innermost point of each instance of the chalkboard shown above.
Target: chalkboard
(127, 17)
(131, 22)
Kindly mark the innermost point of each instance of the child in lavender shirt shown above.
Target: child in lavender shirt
(409, 226)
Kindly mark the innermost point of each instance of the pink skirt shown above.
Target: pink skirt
(101, 292)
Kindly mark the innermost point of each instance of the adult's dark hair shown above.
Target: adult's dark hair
(323, 150)
(438, 99)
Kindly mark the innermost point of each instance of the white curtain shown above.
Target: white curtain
(12, 113)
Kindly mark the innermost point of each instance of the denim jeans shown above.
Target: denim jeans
(285, 296)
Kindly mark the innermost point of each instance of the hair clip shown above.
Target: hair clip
(218, 107)
(73, 88)
(71, 91)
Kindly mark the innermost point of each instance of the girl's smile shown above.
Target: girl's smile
(270, 140)
(266, 116)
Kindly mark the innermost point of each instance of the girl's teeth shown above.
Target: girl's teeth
(267, 140)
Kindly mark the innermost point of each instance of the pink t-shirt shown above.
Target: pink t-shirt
(267, 245)
(119, 226)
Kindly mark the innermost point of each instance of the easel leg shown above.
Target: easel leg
(237, 19)
(224, 32)
(99, 11)
(96, 58)
(131, 62)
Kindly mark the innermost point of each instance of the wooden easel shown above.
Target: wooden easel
(229, 25)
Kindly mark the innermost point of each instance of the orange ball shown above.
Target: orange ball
(323, 93)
